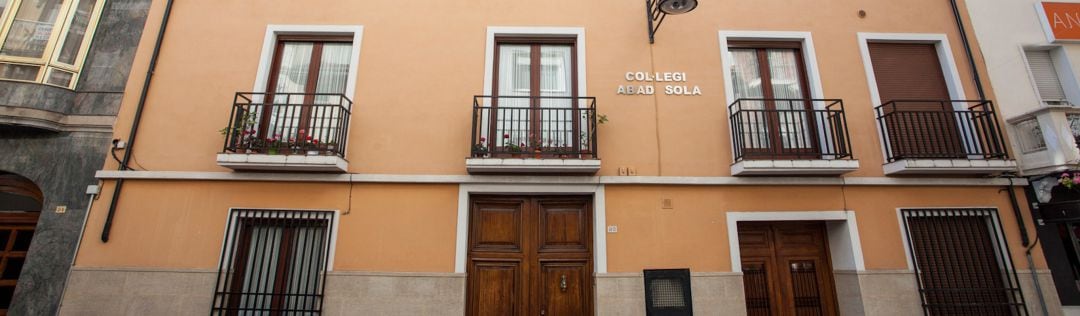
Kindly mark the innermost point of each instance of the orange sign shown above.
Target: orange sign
(1061, 20)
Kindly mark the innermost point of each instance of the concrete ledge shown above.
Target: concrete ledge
(55, 121)
(949, 166)
(794, 167)
(282, 162)
(531, 165)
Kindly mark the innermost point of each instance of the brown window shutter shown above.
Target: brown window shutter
(908, 71)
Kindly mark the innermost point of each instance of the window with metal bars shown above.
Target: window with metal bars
(667, 292)
(961, 262)
(273, 263)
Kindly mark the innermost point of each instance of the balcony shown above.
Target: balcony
(287, 132)
(790, 137)
(942, 137)
(528, 134)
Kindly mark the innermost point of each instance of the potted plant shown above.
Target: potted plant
(273, 145)
(480, 149)
(312, 146)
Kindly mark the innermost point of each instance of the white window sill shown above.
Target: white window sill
(282, 162)
(949, 166)
(793, 167)
(532, 165)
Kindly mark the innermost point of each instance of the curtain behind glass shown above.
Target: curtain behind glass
(514, 80)
(304, 265)
(787, 84)
(557, 123)
(292, 75)
(333, 74)
(260, 269)
(76, 32)
(747, 83)
(32, 28)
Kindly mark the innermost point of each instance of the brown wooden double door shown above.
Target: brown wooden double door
(786, 269)
(530, 255)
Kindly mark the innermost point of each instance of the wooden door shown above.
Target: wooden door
(922, 123)
(786, 269)
(530, 255)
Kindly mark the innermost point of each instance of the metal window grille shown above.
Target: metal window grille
(962, 263)
(1030, 136)
(667, 292)
(274, 262)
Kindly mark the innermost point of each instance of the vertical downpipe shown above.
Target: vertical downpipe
(135, 122)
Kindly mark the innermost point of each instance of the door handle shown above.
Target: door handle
(562, 283)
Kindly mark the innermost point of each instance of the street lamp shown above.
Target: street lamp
(657, 10)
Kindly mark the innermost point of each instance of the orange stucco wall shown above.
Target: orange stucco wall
(421, 62)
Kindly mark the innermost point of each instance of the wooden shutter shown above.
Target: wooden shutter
(1045, 75)
(908, 71)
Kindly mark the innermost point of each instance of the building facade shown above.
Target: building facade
(1030, 57)
(63, 70)
(505, 158)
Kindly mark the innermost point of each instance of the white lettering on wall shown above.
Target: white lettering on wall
(651, 77)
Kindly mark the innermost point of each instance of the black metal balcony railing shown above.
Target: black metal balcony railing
(534, 127)
(789, 129)
(936, 129)
(288, 124)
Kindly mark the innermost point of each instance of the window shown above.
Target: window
(273, 262)
(1045, 74)
(308, 77)
(535, 85)
(961, 262)
(772, 76)
(1030, 136)
(46, 40)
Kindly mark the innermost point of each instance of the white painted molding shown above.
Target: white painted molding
(270, 41)
(230, 226)
(563, 180)
(489, 55)
(599, 216)
(853, 244)
(56, 121)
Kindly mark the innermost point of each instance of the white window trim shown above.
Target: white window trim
(809, 60)
(489, 55)
(270, 42)
(997, 229)
(839, 247)
(599, 216)
(945, 57)
(231, 227)
(1069, 83)
(809, 57)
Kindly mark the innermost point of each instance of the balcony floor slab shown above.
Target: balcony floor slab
(799, 167)
(949, 166)
(263, 162)
(532, 165)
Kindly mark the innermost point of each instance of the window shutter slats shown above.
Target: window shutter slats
(1045, 75)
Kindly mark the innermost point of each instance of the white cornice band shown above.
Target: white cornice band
(561, 180)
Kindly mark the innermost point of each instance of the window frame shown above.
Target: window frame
(275, 31)
(49, 61)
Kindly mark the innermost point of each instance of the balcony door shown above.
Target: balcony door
(534, 95)
(306, 85)
(920, 119)
(771, 78)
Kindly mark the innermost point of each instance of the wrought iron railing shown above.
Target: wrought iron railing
(940, 129)
(534, 127)
(288, 124)
(789, 129)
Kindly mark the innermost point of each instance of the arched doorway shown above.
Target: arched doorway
(20, 205)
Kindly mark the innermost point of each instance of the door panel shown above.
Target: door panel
(786, 269)
(564, 288)
(530, 256)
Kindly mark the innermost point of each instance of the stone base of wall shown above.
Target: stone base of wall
(138, 292)
(714, 293)
(361, 293)
(1046, 283)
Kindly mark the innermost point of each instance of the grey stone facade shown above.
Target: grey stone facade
(62, 163)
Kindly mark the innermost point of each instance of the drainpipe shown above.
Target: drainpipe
(1025, 240)
(135, 122)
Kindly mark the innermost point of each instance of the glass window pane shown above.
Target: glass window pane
(77, 32)
(60, 78)
(32, 28)
(3, 6)
(19, 72)
(4, 236)
(5, 296)
(787, 84)
(746, 81)
(22, 240)
(333, 75)
(12, 269)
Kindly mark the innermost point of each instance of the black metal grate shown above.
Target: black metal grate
(756, 287)
(789, 129)
(667, 292)
(934, 129)
(962, 263)
(273, 262)
(804, 285)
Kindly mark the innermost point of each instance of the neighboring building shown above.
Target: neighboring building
(63, 69)
(543, 158)
(1033, 59)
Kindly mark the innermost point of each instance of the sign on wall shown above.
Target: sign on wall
(641, 83)
(1060, 20)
